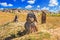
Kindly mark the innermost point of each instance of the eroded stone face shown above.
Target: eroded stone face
(43, 17)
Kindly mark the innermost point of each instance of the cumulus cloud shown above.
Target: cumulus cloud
(53, 3)
(45, 8)
(28, 6)
(5, 4)
(59, 6)
(31, 1)
(38, 7)
(22, 0)
(9, 5)
(19, 8)
(16, 0)
(53, 11)
(1, 8)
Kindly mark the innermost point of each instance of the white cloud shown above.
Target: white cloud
(10, 5)
(1, 8)
(22, 0)
(38, 7)
(53, 3)
(16, 0)
(45, 8)
(59, 6)
(5, 4)
(19, 8)
(53, 10)
(28, 6)
(31, 1)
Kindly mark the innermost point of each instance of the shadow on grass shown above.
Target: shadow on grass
(11, 37)
(19, 34)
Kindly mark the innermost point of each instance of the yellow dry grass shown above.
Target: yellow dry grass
(5, 17)
(13, 28)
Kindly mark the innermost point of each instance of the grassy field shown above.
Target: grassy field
(47, 31)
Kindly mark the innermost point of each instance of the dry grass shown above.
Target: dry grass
(52, 22)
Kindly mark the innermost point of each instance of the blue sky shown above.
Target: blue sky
(51, 5)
